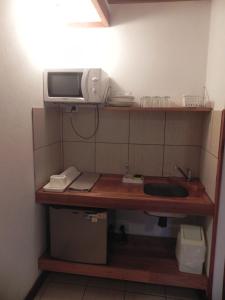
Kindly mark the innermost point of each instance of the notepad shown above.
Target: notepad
(84, 182)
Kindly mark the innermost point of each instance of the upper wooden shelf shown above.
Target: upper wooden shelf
(109, 192)
(164, 109)
(102, 9)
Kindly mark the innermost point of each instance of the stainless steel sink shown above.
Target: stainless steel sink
(165, 190)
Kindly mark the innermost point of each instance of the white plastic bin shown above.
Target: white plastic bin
(191, 249)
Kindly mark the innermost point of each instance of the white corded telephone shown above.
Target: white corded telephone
(58, 183)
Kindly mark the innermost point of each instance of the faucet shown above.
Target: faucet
(188, 175)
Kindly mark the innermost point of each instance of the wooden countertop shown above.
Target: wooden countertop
(109, 192)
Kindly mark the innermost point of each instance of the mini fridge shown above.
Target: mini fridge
(78, 235)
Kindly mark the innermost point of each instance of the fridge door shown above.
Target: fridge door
(78, 235)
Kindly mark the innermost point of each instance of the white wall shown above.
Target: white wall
(160, 48)
(20, 218)
(216, 89)
(220, 245)
(151, 49)
(216, 62)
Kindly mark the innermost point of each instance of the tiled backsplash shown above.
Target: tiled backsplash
(209, 152)
(46, 144)
(79, 154)
(151, 143)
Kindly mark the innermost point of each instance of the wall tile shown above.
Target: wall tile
(183, 128)
(80, 155)
(113, 127)
(46, 126)
(208, 172)
(211, 132)
(207, 131)
(47, 161)
(147, 128)
(146, 159)
(183, 156)
(111, 158)
(216, 127)
(84, 123)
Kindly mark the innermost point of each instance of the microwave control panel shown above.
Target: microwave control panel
(94, 78)
(97, 85)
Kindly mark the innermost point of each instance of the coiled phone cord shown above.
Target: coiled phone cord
(76, 131)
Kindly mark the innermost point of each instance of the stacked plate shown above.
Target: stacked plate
(121, 101)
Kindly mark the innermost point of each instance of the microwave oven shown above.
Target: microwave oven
(82, 86)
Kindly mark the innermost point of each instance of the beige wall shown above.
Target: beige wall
(152, 49)
(216, 62)
(216, 90)
(20, 218)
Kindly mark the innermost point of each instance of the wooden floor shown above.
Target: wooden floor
(142, 259)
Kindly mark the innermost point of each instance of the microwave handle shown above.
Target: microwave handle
(106, 92)
(84, 84)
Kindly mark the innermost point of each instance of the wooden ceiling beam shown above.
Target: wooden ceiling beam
(102, 9)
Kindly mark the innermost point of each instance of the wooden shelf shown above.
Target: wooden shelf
(155, 109)
(142, 259)
(110, 193)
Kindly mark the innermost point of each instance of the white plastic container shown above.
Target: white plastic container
(191, 249)
(193, 101)
(155, 101)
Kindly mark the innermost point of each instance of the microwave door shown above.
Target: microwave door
(84, 84)
(77, 87)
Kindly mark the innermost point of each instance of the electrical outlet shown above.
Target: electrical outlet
(70, 108)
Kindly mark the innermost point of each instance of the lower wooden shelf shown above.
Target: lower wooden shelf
(142, 259)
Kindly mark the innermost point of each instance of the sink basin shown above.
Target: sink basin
(165, 190)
